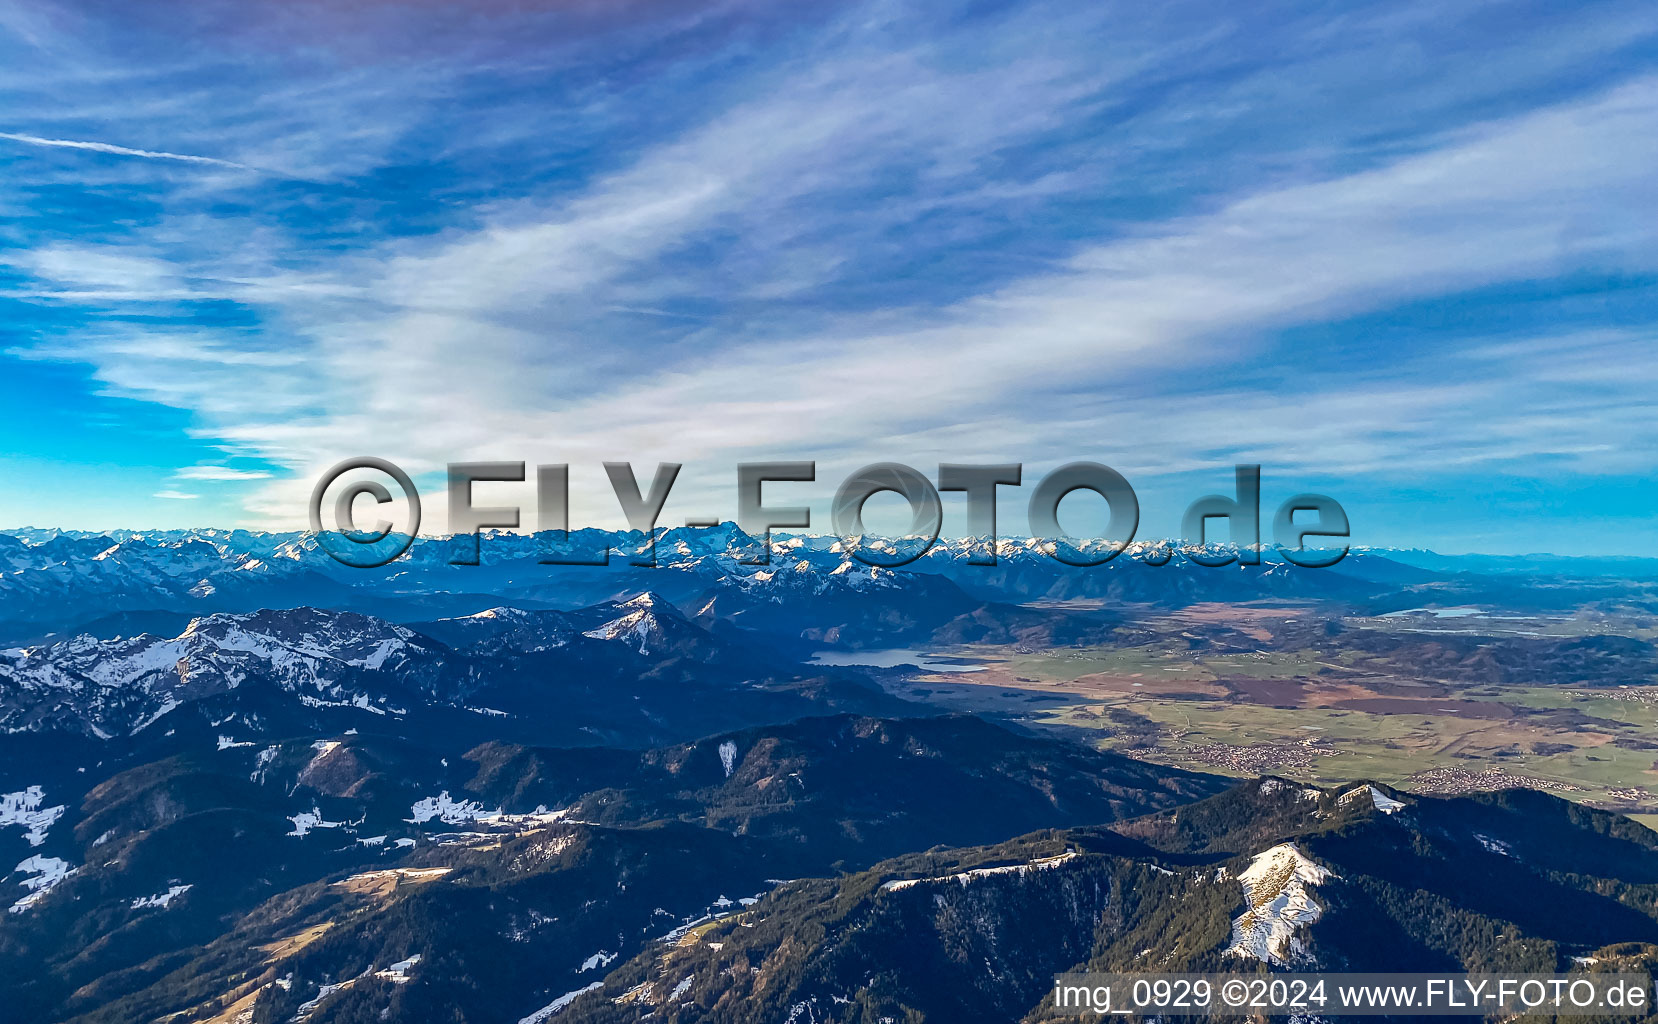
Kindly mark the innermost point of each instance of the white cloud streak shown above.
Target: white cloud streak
(105, 147)
(220, 473)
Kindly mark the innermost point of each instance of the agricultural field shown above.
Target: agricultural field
(1447, 701)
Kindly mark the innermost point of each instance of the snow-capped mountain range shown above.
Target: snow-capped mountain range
(121, 686)
(54, 584)
(273, 672)
(106, 635)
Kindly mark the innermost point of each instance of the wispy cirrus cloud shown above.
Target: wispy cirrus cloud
(1189, 297)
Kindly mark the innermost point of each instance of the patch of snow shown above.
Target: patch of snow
(715, 913)
(361, 702)
(1277, 888)
(47, 872)
(800, 1008)
(728, 757)
(1494, 845)
(449, 811)
(323, 992)
(416, 873)
(1385, 803)
(382, 650)
(24, 810)
(602, 958)
(228, 743)
(964, 877)
(1382, 802)
(167, 706)
(398, 973)
(262, 763)
(540, 816)
(305, 821)
(560, 1003)
(161, 899)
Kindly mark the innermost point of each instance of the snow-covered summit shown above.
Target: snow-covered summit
(1277, 886)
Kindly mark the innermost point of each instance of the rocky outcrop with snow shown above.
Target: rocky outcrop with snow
(1278, 890)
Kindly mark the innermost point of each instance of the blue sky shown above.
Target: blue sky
(1402, 254)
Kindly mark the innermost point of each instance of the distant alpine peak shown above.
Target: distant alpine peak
(650, 600)
(503, 612)
(648, 623)
(718, 539)
(859, 576)
(297, 623)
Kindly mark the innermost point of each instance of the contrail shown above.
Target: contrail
(104, 147)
